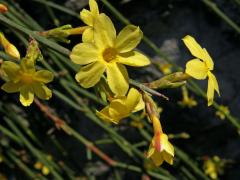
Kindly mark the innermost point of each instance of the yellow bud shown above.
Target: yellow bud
(3, 8)
(12, 51)
(45, 170)
(9, 48)
(38, 165)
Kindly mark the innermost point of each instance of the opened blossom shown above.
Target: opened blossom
(89, 17)
(122, 107)
(201, 67)
(109, 53)
(25, 79)
(160, 149)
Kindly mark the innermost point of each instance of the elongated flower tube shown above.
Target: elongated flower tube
(122, 107)
(25, 79)
(8, 47)
(201, 67)
(108, 53)
(89, 17)
(160, 149)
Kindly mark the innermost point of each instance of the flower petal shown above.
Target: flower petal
(87, 35)
(134, 101)
(151, 150)
(44, 76)
(26, 95)
(84, 53)
(167, 157)
(166, 145)
(94, 8)
(118, 109)
(157, 158)
(11, 87)
(128, 38)
(11, 70)
(208, 60)
(90, 74)
(196, 69)
(86, 17)
(42, 91)
(212, 85)
(195, 49)
(104, 114)
(133, 58)
(117, 78)
(104, 32)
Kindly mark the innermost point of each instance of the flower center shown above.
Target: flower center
(27, 78)
(109, 54)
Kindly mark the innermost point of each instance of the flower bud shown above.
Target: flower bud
(173, 80)
(9, 48)
(3, 8)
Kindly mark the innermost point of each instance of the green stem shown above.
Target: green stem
(222, 15)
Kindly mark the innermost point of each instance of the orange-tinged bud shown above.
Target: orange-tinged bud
(9, 48)
(12, 51)
(3, 8)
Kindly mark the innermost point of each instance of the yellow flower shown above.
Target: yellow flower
(89, 17)
(222, 112)
(160, 148)
(187, 101)
(9, 48)
(201, 67)
(122, 107)
(25, 79)
(108, 53)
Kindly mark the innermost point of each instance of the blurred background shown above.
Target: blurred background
(197, 131)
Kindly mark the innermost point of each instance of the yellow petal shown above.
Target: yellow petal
(134, 101)
(104, 114)
(86, 17)
(128, 38)
(42, 91)
(26, 95)
(167, 157)
(11, 70)
(87, 35)
(90, 74)
(84, 53)
(196, 69)
(166, 145)
(195, 49)
(208, 60)
(157, 158)
(44, 76)
(212, 85)
(27, 65)
(11, 87)
(93, 8)
(118, 110)
(104, 32)
(133, 58)
(117, 77)
(151, 150)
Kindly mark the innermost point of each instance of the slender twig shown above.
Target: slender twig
(222, 15)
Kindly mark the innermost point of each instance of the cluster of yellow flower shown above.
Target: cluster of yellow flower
(24, 77)
(101, 53)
